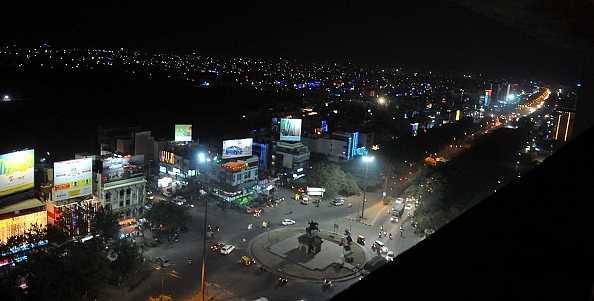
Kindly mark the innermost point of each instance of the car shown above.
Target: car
(394, 219)
(338, 202)
(227, 249)
(233, 150)
(150, 197)
(180, 200)
(167, 193)
(217, 247)
(390, 255)
(381, 246)
(399, 200)
(408, 206)
(305, 197)
(287, 221)
(162, 261)
(304, 202)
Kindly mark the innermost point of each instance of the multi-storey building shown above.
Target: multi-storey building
(291, 160)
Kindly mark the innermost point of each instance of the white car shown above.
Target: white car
(408, 206)
(167, 194)
(381, 246)
(287, 221)
(338, 201)
(226, 249)
(390, 255)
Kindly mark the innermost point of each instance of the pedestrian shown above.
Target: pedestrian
(401, 233)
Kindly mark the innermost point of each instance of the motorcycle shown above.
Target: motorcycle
(328, 282)
(283, 280)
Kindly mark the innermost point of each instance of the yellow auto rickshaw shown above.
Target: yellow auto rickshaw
(246, 260)
(361, 240)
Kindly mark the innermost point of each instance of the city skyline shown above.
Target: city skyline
(425, 36)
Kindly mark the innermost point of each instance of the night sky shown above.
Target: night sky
(422, 35)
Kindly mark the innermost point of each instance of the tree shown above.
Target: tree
(168, 214)
(105, 223)
(127, 259)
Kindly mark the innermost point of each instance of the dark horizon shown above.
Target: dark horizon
(427, 36)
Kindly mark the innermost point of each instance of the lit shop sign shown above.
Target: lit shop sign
(16, 171)
(183, 132)
(122, 168)
(166, 157)
(290, 129)
(73, 178)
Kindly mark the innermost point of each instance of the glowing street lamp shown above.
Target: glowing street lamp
(366, 159)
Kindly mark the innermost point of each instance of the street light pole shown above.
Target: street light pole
(162, 276)
(366, 159)
(204, 247)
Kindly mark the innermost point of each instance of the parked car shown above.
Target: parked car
(227, 249)
(287, 221)
(167, 193)
(233, 150)
(408, 206)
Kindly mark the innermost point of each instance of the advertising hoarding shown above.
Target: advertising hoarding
(237, 148)
(73, 178)
(290, 129)
(183, 132)
(17, 171)
(117, 168)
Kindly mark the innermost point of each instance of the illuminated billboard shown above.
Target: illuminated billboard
(117, 168)
(16, 171)
(183, 132)
(73, 178)
(290, 129)
(237, 148)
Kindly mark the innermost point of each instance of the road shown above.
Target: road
(226, 274)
